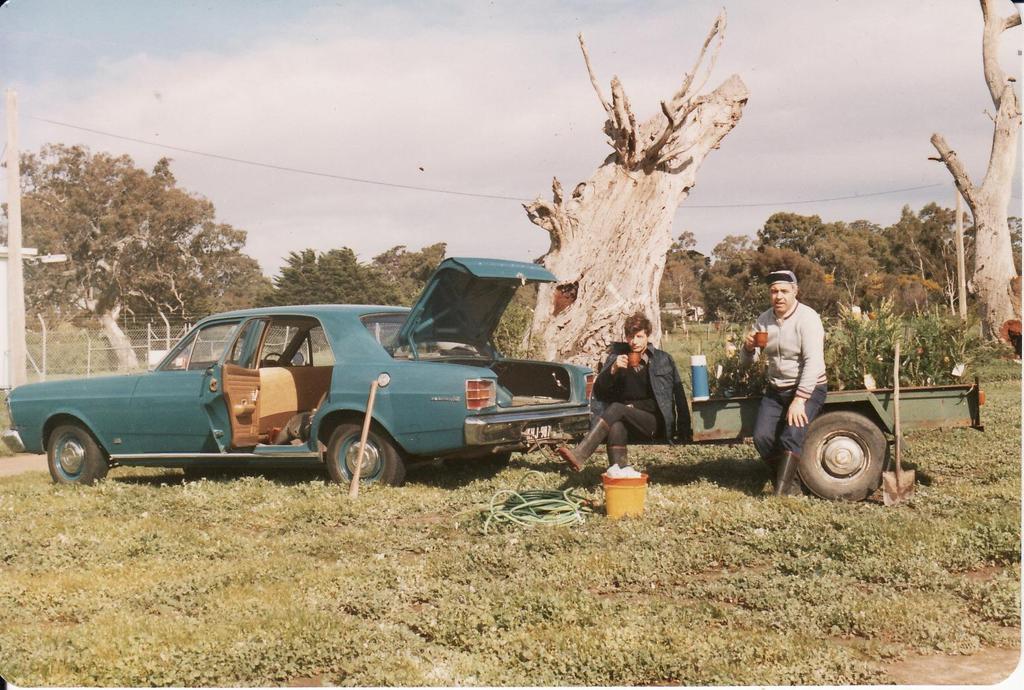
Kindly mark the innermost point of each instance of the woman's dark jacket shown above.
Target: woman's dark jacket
(665, 383)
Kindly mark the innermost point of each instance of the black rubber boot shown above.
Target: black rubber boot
(786, 481)
(618, 455)
(582, 452)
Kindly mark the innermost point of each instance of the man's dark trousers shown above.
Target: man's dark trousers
(771, 432)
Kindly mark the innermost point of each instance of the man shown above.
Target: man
(645, 398)
(796, 379)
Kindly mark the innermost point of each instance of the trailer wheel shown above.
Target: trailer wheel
(844, 454)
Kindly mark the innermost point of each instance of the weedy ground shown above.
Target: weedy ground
(266, 579)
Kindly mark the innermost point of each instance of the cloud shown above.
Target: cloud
(496, 100)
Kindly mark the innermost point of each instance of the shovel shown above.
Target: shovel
(897, 486)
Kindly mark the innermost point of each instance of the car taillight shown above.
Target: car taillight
(590, 385)
(981, 397)
(480, 393)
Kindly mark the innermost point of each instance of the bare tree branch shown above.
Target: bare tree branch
(685, 101)
(550, 215)
(995, 77)
(590, 71)
(652, 151)
(622, 124)
(718, 27)
(956, 169)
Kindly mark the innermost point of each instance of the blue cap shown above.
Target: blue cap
(781, 277)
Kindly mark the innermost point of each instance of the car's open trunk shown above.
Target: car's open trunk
(532, 383)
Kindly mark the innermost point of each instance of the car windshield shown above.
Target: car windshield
(200, 349)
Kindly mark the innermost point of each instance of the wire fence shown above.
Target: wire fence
(68, 351)
(73, 352)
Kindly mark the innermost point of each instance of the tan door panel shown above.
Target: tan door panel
(242, 394)
(286, 391)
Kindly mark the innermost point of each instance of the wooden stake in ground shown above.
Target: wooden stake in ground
(353, 487)
(961, 271)
(995, 282)
(610, 234)
(897, 486)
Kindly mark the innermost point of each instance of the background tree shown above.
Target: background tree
(405, 273)
(996, 280)
(609, 236)
(847, 253)
(734, 289)
(684, 272)
(925, 244)
(396, 276)
(331, 277)
(791, 231)
(133, 240)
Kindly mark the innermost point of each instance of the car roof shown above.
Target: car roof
(316, 310)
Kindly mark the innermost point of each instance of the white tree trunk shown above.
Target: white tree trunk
(995, 275)
(126, 357)
(610, 237)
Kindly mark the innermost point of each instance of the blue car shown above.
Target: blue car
(289, 385)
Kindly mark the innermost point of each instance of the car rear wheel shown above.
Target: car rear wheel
(844, 453)
(382, 462)
(74, 457)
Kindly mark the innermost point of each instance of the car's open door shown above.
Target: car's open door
(240, 382)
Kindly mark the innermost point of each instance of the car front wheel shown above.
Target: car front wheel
(74, 457)
(382, 462)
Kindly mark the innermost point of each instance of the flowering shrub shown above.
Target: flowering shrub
(936, 348)
(728, 376)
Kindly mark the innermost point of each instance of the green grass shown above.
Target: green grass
(263, 579)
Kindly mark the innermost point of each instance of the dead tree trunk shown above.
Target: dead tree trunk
(127, 360)
(107, 317)
(995, 275)
(610, 236)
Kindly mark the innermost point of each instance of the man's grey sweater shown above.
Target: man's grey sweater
(795, 350)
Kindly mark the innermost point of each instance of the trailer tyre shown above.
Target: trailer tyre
(844, 454)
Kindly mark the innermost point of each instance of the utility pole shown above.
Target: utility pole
(961, 276)
(15, 277)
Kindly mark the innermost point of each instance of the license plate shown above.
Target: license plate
(538, 432)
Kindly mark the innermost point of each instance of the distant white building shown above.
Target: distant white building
(687, 312)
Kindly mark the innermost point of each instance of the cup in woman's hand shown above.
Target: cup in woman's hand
(761, 339)
(634, 360)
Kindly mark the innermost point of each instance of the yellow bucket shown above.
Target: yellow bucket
(624, 496)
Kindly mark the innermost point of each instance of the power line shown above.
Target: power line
(438, 190)
(283, 168)
(814, 201)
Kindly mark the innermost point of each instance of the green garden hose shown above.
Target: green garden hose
(530, 507)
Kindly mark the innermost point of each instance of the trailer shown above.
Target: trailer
(848, 444)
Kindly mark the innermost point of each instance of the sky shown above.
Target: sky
(493, 99)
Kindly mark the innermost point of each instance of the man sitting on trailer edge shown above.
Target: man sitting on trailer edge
(638, 395)
(796, 388)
